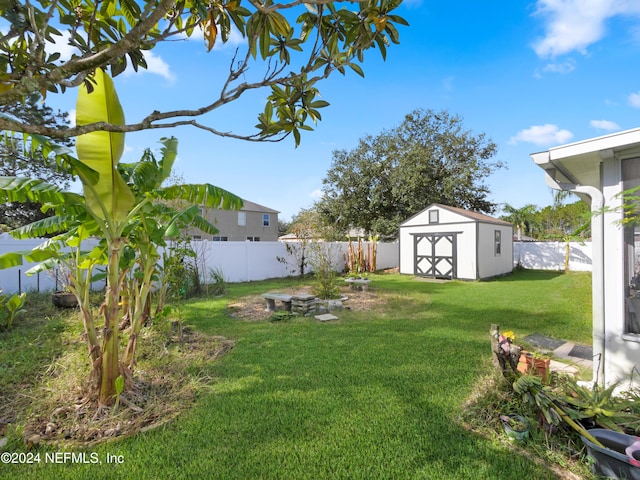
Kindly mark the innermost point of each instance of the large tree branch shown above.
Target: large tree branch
(324, 57)
(157, 120)
(86, 63)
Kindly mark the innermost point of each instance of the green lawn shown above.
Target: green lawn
(373, 395)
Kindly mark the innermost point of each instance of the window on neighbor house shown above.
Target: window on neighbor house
(266, 219)
(220, 239)
(253, 239)
(434, 216)
(196, 238)
(631, 179)
(242, 219)
(497, 243)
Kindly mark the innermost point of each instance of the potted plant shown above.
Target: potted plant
(535, 363)
(63, 297)
(515, 426)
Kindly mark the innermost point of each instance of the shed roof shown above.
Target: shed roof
(475, 216)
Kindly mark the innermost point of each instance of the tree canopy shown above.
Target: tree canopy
(289, 47)
(428, 158)
(560, 221)
(21, 157)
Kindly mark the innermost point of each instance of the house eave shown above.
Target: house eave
(579, 163)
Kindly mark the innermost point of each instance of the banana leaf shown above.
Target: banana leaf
(109, 198)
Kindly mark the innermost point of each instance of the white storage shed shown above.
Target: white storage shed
(453, 243)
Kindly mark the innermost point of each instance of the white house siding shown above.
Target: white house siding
(490, 264)
(622, 350)
(466, 245)
(474, 255)
(593, 168)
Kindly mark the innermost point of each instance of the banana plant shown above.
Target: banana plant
(10, 308)
(121, 204)
(533, 392)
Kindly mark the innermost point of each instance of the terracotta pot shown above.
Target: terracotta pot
(64, 299)
(536, 366)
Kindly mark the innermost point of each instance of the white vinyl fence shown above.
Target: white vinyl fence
(237, 261)
(247, 261)
(551, 255)
(15, 279)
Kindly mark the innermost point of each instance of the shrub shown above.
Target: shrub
(217, 284)
(324, 272)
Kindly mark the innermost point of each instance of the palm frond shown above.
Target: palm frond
(141, 176)
(202, 194)
(45, 226)
(21, 189)
(188, 217)
(169, 154)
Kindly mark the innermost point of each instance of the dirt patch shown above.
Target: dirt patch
(254, 307)
(158, 395)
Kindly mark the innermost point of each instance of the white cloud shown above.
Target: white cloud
(447, 83)
(605, 125)
(542, 135)
(72, 118)
(573, 25)
(155, 65)
(317, 194)
(61, 46)
(562, 68)
(634, 100)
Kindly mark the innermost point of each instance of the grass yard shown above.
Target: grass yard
(374, 395)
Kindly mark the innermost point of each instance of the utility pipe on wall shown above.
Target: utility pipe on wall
(597, 237)
(597, 261)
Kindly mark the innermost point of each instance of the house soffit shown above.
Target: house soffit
(579, 163)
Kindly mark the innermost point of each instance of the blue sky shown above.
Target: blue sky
(528, 74)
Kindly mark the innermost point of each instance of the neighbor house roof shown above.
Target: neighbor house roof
(254, 207)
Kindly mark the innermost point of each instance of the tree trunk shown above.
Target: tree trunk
(142, 306)
(110, 345)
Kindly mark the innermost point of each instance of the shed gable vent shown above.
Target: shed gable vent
(434, 216)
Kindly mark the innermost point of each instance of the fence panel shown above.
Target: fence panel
(247, 261)
(238, 261)
(551, 255)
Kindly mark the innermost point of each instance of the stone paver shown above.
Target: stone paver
(578, 355)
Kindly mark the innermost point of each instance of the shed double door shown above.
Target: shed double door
(436, 255)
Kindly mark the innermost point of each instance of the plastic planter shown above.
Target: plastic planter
(515, 426)
(620, 458)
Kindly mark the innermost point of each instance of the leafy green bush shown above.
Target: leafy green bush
(324, 272)
(217, 284)
(10, 308)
